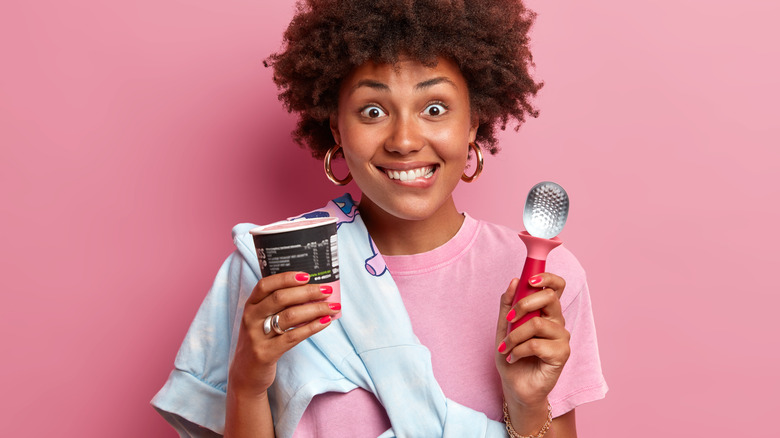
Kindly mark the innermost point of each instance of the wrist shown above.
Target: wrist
(524, 400)
(248, 385)
(527, 420)
(247, 412)
(246, 392)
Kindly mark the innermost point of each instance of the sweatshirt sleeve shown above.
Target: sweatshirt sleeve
(193, 398)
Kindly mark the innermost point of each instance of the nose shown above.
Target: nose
(405, 136)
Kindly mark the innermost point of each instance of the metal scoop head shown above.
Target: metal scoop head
(546, 210)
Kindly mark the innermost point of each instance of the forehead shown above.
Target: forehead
(406, 72)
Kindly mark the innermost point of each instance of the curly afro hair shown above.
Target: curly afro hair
(327, 39)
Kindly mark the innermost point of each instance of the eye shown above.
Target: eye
(372, 112)
(435, 109)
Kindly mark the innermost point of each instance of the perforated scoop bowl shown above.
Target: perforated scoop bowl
(546, 210)
(545, 213)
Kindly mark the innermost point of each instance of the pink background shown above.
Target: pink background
(133, 135)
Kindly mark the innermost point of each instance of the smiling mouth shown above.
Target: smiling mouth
(411, 174)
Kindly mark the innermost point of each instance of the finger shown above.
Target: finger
(539, 328)
(268, 348)
(536, 328)
(293, 337)
(296, 316)
(551, 352)
(548, 280)
(268, 285)
(546, 300)
(282, 299)
(505, 307)
(273, 344)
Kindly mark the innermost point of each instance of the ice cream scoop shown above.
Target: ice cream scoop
(546, 210)
(545, 213)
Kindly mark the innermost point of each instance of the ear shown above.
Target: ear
(334, 127)
(474, 127)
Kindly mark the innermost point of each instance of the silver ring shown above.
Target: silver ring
(267, 325)
(275, 325)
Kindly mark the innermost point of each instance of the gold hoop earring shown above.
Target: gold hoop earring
(329, 171)
(480, 164)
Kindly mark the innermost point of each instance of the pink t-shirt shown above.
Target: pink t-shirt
(452, 295)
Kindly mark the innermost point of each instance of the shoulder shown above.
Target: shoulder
(497, 236)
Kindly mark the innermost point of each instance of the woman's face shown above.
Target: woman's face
(405, 131)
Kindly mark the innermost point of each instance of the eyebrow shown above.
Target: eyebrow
(435, 81)
(379, 86)
(376, 85)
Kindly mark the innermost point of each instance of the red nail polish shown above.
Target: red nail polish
(511, 315)
(302, 276)
(335, 306)
(325, 320)
(509, 358)
(326, 289)
(536, 280)
(502, 347)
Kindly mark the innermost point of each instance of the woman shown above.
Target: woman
(405, 90)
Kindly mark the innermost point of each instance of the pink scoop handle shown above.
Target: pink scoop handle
(535, 263)
(531, 268)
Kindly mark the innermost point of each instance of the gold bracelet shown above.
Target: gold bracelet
(513, 433)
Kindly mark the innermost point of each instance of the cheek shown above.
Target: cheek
(356, 159)
(351, 164)
(459, 148)
(351, 140)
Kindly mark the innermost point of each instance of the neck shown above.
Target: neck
(396, 236)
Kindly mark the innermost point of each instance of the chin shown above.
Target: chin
(412, 214)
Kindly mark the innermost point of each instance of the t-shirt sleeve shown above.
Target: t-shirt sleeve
(193, 398)
(581, 380)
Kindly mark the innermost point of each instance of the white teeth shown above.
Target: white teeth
(412, 174)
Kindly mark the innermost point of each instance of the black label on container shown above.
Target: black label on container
(311, 250)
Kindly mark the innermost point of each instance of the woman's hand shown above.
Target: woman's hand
(298, 305)
(530, 358)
